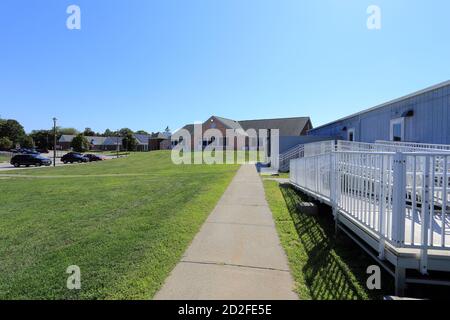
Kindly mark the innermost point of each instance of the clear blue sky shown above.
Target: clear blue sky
(145, 64)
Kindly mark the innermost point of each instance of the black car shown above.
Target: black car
(93, 157)
(24, 151)
(30, 160)
(74, 157)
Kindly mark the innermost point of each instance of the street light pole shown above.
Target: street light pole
(117, 149)
(54, 142)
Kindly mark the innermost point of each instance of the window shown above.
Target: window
(351, 134)
(397, 130)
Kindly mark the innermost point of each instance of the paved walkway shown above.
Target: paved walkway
(236, 254)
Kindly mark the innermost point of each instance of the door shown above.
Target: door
(351, 134)
(397, 130)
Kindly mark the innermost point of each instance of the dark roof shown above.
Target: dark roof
(112, 141)
(231, 124)
(105, 141)
(141, 138)
(159, 135)
(189, 127)
(98, 141)
(287, 126)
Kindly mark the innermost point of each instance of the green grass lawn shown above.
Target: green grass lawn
(125, 222)
(323, 266)
(4, 158)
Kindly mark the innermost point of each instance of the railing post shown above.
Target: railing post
(425, 217)
(334, 192)
(381, 204)
(399, 199)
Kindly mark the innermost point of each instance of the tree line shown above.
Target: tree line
(13, 134)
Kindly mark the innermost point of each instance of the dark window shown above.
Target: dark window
(351, 136)
(397, 132)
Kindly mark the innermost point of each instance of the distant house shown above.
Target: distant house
(142, 141)
(105, 143)
(421, 117)
(292, 131)
(159, 141)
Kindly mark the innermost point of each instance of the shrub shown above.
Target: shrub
(80, 143)
(129, 142)
(5, 143)
(27, 142)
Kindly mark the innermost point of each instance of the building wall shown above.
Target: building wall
(429, 124)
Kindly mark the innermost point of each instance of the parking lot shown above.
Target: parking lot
(4, 166)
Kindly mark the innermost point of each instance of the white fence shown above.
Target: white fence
(415, 146)
(400, 198)
(292, 153)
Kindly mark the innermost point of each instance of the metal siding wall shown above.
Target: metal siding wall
(430, 123)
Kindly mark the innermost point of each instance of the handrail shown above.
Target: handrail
(386, 192)
(415, 144)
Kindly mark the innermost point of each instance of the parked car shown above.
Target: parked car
(42, 150)
(30, 160)
(94, 157)
(74, 157)
(24, 151)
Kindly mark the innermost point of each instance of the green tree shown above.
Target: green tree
(141, 132)
(88, 132)
(43, 139)
(26, 142)
(80, 143)
(68, 131)
(167, 132)
(11, 129)
(109, 133)
(5, 143)
(125, 131)
(129, 142)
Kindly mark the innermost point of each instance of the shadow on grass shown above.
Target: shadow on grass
(336, 266)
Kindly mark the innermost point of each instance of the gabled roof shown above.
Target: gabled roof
(66, 138)
(231, 124)
(160, 135)
(287, 126)
(188, 127)
(112, 141)
(92, 139)
(96, 141)
(141, 138)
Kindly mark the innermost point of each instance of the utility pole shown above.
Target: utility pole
(54, 142)
(117, 149)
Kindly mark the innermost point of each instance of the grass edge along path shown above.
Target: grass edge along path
(323, 267)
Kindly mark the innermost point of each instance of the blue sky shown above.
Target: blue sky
(145, 64)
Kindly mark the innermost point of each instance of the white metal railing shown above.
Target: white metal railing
(317, 148)
(388, 146)
(287, 156)
(415, 145)
(400, 198)
(324, 147)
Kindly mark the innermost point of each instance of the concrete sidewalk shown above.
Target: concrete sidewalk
(237, 253)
